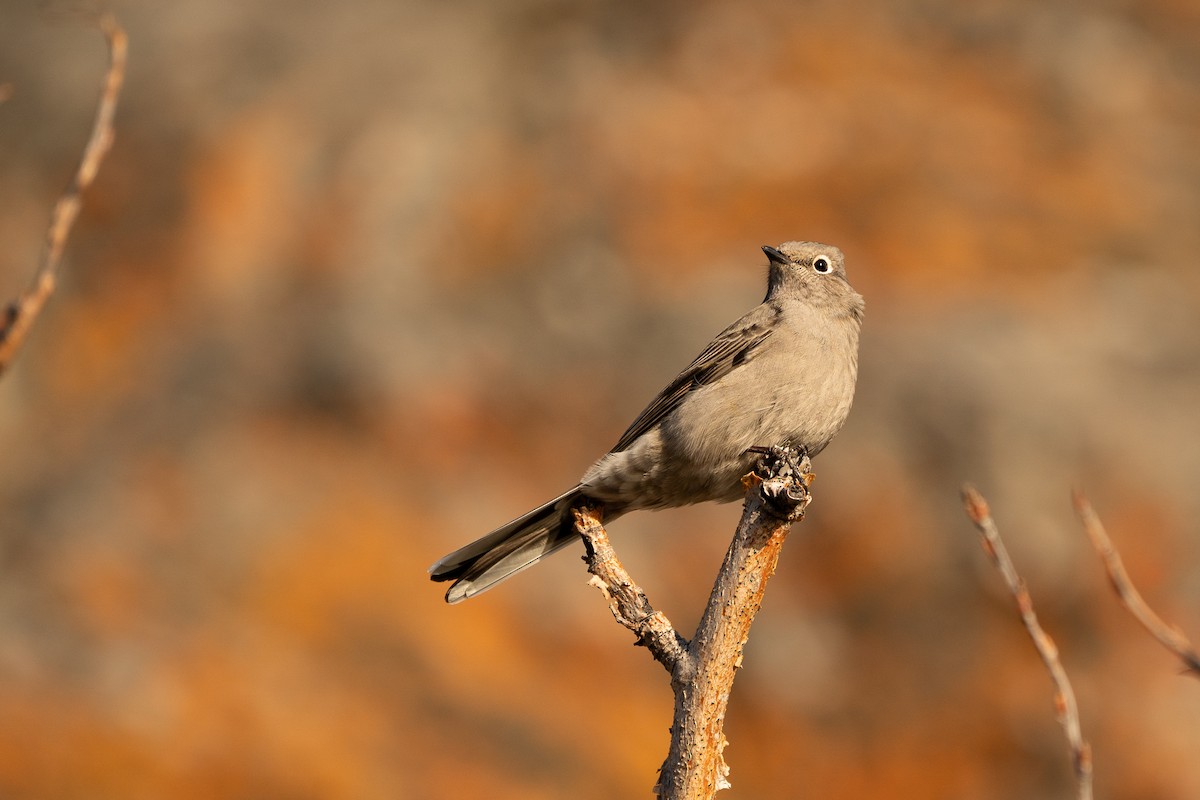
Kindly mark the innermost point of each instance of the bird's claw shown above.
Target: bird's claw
(787, 475)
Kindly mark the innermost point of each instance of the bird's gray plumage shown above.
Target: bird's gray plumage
(783, 374)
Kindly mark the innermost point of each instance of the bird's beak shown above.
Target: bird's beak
(774, 256)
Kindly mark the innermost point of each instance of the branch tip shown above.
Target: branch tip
(1169, 636)
(975, 504)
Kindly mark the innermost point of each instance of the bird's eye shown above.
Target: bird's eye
(821, 264)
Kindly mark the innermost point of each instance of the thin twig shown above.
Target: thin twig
(1064, 696)
(1170, 636)
(21, 313)
(626, 600)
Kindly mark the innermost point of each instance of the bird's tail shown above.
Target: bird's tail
(509, 549)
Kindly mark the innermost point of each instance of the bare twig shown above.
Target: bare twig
(21, 313)
(702, 670)
(626, 600)
(1064, 696)
(1170, 636)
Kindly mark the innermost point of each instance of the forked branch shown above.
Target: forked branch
(702, 669)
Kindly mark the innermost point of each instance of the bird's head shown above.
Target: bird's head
(813, 272)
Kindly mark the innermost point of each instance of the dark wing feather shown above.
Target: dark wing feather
(733, 347)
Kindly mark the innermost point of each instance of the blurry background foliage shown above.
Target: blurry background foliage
(360, 281)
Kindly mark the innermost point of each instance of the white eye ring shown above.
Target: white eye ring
(822, 264)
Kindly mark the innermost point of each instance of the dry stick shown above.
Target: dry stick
(20, 314)
(702, 670)
(1170, 636)
(1064, 696)
(626, 600)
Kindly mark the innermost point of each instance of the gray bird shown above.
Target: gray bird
(783, 374)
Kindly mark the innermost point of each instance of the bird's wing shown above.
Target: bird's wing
(732, 348)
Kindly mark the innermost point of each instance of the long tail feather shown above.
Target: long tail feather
(507, 550)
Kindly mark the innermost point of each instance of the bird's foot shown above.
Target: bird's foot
(787, 474)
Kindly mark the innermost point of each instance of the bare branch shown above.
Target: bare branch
(626, 600)
(1170, 636)
(702, 671)
(695, 765)
(21, 313)
(1064, 697)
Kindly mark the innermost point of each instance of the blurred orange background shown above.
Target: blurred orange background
(360, 281)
